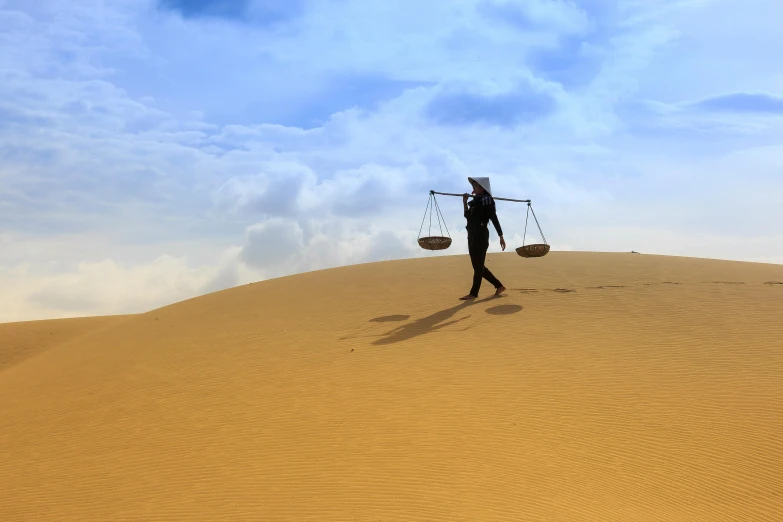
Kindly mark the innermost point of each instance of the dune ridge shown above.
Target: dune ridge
(602, 387)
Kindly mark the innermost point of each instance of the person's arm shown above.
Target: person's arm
(492, 214)
(494, 217)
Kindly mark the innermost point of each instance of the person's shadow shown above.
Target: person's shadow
(426, 324)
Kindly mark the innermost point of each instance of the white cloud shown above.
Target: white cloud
(274, 191)
(107, 287)
(272, 243)
(387, 245)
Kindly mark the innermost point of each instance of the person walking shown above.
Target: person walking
(478, 213)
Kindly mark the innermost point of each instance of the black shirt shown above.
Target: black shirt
(480, 211)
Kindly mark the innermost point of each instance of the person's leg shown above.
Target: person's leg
(478, 254)
(491, 279)
(499, 288)
(474, 251)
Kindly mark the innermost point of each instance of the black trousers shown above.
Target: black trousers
(478, 243)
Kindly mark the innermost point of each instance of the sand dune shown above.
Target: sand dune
(603, 387)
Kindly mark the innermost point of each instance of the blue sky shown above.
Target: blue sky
(155, 150)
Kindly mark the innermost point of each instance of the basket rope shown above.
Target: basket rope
(527, 215)
(439, 216)
(425, 215)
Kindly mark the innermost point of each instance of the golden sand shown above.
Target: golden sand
(602, 387)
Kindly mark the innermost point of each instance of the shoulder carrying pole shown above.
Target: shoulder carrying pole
(493, 197)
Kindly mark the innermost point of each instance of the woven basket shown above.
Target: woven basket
(538, 250)
(435, 242)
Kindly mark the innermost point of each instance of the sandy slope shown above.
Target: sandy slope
(20, 341)
(603, 387)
